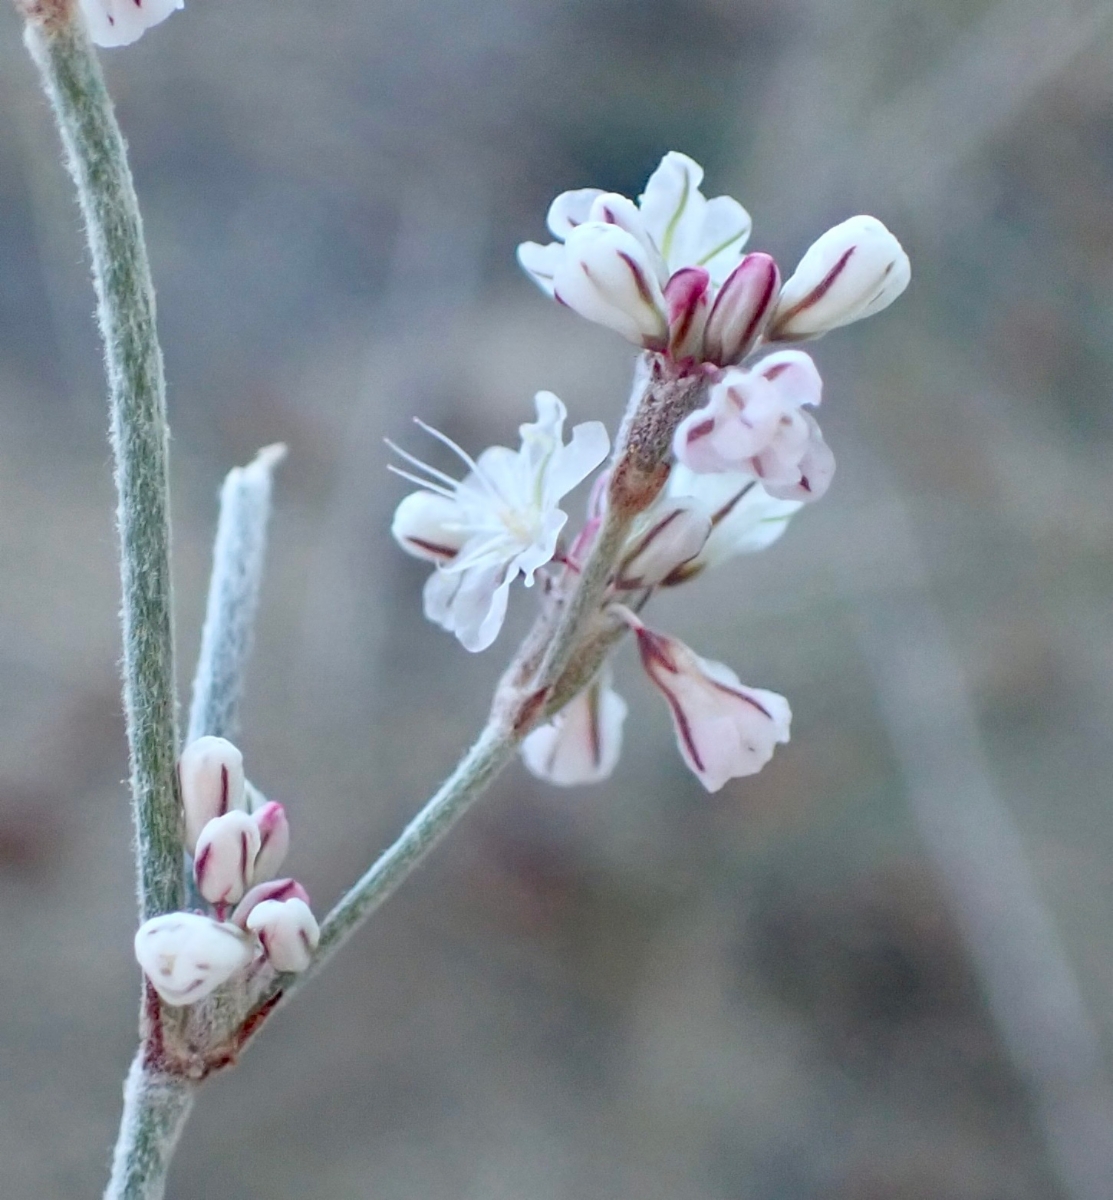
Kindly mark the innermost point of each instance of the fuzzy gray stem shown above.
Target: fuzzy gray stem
(238, 555)
(156, 1107)
(97, 160)
(493, 750)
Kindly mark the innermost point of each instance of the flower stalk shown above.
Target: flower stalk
(97, 160)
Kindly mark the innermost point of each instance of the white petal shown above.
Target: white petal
(540, 262)
(671, 534)
(427, 526)
(672, 208)
(570, 209)
(724, 730)
(723, 235)
(583, 742)
(121, 22)
(794, 376)
(573, 463)
(607, 276)
(224, 863)
(470, 604)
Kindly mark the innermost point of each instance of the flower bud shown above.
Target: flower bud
(288, 931)
(724, 730)
(686, 295)
(224, 864)
(272, 889)
(677, 534)
(210, 772)
(570, 209)
(186, 956)
(582, 743)
(854, 270)
(742, 307)
(274, 839)
(606, 275)
(121, 22)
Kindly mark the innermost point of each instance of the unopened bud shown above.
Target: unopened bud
(853, 271)
(686, 295)
(225, 860)
(274, 839)
(186, 956)
(288, 931)
(210, 772)
(608, 276)
(677, 534)
(741, 310)
(272, 889)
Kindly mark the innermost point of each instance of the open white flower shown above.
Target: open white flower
(724, 729)
(121, 22)
(501, 521)
(582, 743)
(754, 421)
(657, 271)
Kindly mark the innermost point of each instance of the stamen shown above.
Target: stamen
(423, 466)
(427, 484)
(445, 440)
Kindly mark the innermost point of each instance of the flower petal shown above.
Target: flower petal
(570, 209)
(583, 742)
(120, 22)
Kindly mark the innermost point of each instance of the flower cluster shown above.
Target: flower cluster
(238, 842)
(121, 22)
(668, 272)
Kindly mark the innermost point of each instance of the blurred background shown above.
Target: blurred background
(883, 969)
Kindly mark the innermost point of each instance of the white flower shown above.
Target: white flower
(582, 743)
(724, 730)
(288, 931)
(853, 271)
(744, 518)
(186, 956)
(499, 522)
(272, 889)
(121, 22)
(224, 861)
(754, 421)
(614, 261)
(211, 779)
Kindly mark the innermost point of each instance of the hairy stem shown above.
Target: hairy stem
(492, 751)
(156, 1107)
(97, 160)
(238, 554)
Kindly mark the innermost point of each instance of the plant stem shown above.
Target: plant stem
(156, 1107)
(97, 160)
(493, 750)
(238, 554)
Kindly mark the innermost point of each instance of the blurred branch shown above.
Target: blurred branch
(238, 558)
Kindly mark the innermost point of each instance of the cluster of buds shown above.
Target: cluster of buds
(238, 842)
(743, 454)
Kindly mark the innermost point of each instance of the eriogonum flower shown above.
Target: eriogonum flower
(659, 271)
(754, 421)
(211, 778)
(853, 271)
(121, 22)
(501, 521)
(274, 839)
(724, 729)
(272, 889)
(288, 932)
(187, 956)
(582, 743)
